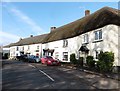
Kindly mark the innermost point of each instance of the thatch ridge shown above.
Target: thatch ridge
(27, 41)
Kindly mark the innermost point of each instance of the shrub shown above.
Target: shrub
(73, 59)
(80, 61)
(105, 63)
(90, 61)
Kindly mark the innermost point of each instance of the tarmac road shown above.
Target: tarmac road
(23, 75)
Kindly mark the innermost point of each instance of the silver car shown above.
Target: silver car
(33, 58)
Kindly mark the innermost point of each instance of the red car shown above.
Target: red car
(49, 61)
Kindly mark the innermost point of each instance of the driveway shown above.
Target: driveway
(21, 75)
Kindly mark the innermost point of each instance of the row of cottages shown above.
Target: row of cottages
(29, 46)
(89, 35)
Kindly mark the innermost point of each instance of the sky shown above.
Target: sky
(22, 19)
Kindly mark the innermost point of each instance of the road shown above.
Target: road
(23, 75)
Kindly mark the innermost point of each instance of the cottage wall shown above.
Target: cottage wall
(109, 43)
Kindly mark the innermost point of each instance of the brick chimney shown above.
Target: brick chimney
(87, 12)
(52, 28)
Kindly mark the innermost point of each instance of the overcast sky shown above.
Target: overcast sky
(22, 19)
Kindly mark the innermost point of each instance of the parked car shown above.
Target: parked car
(49, 61)
(23, 58)
(33, 58)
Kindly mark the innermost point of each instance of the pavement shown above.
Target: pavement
(115, 76)
(23, 75)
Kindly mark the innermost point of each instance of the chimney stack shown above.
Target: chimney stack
(31, 35)
(52, 28)
(87, 12)
(20, 38)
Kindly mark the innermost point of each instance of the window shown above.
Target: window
(17, 48)
(85, 38)
(28, 47)
(38, 47)
(96, 54)
(98, 35)
(56, 55)
(65, 56)
(23, 48)
(65, 43)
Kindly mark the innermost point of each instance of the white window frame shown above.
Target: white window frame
(98, 35)
(38, 47)
(65, 43)
(28, 47)
(85, 38)
(65, 54)
(17, 49)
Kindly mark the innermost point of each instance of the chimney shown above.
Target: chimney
(52, 28)
(20, 38)
(87, 12)
(31, 35)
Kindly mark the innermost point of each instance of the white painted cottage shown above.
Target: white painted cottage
(89, 35)
(30, 46)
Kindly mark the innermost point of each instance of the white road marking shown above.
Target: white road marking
(47, 75)
(31, 65)
(43, 73)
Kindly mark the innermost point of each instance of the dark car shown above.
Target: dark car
(22, 58)
(33, 58)
(49, 61)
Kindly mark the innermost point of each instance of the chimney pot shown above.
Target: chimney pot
(31, 35)
(52, 28)
(87, 12)
(20, 38)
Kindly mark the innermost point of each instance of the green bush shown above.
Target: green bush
(105, 63)
(73, 59)
(90, 61)
(80, 61)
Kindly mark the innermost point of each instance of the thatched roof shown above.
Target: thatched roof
(28, 41)
(93, 21)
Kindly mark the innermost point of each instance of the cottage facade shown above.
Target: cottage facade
(95, 41)
(89, 35)
(30, 46)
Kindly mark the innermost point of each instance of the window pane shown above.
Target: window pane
(17, 49)
(96, 35)
(100, 34)
(38, 47)
(65, 56)
(85, 38)
(65, 43)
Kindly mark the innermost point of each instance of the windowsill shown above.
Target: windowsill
(65, 46)
(97, 40)
(85, 43)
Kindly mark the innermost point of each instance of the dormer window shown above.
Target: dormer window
(85, 38)
(65, 43)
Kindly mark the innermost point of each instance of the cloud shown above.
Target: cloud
(6, 38)
(24, 18)
(82, 7)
